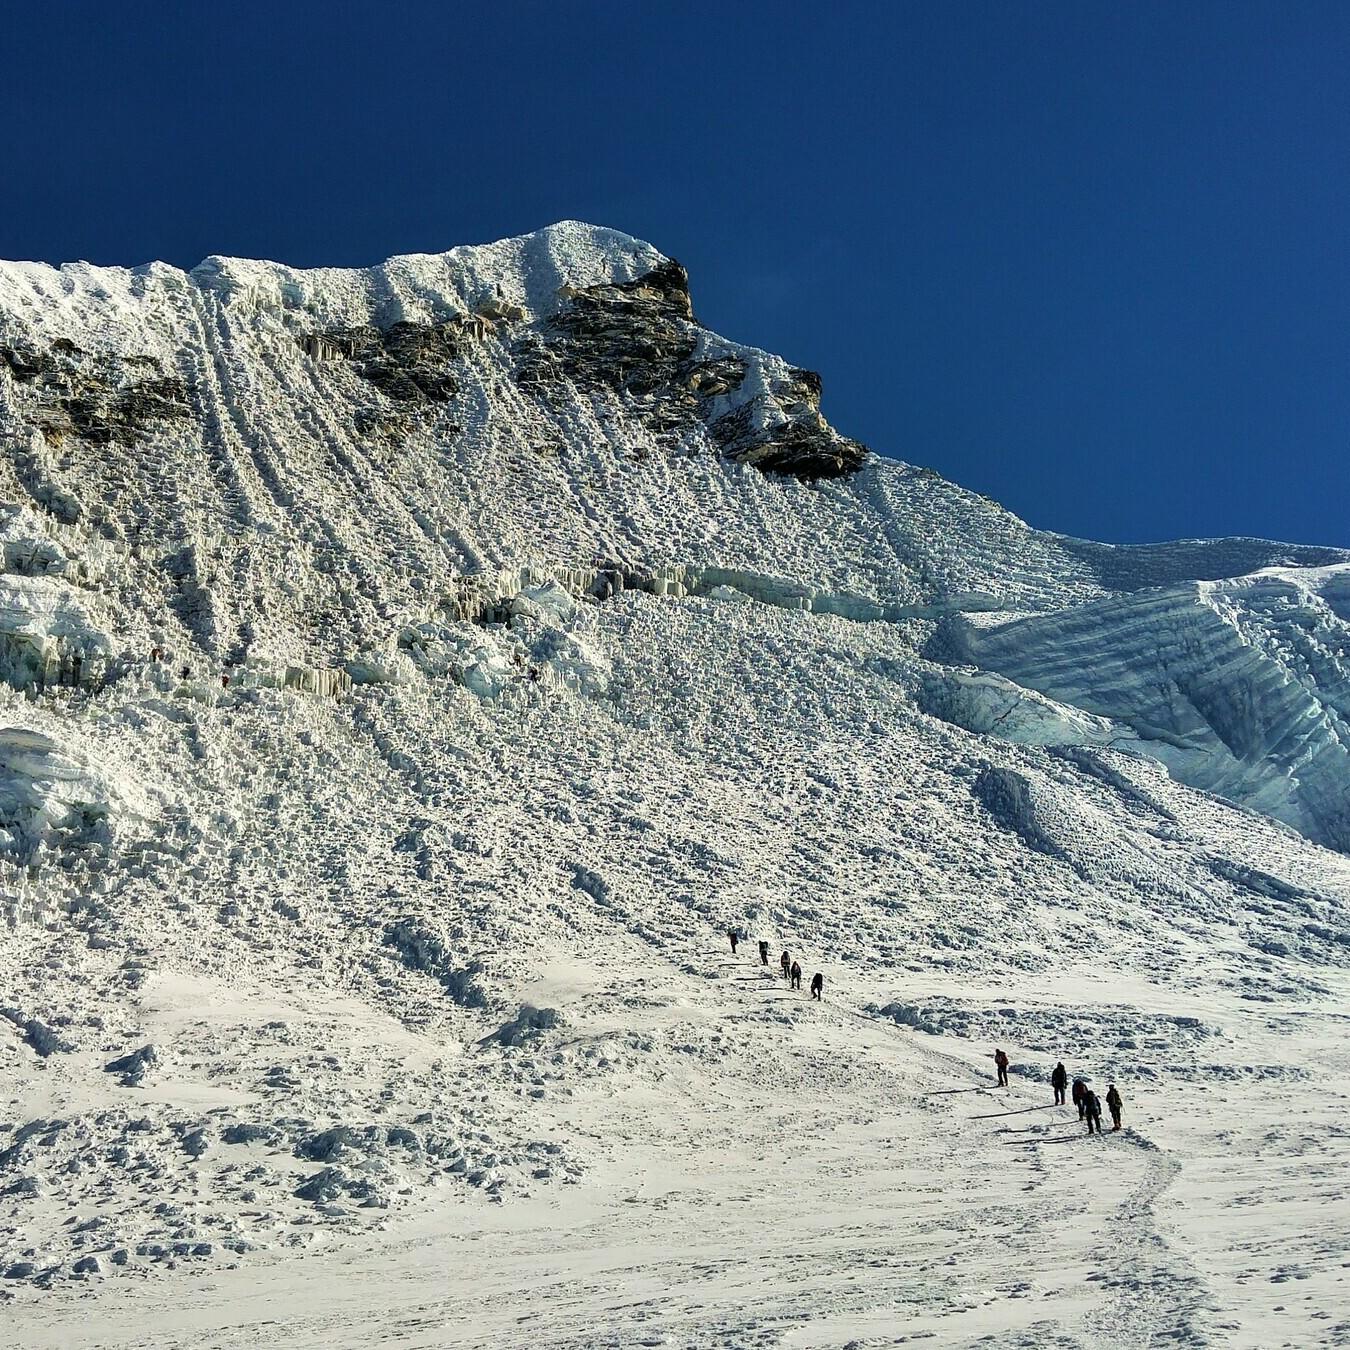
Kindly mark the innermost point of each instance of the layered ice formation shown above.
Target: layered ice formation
(1241, 687)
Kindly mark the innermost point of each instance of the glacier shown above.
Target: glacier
(1240, 686)
(409, 675)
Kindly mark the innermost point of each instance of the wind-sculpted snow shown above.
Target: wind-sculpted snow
(1135, 567)
(409, 676)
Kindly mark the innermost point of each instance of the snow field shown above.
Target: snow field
(586, 853)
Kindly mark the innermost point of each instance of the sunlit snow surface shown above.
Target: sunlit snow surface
(425, 918)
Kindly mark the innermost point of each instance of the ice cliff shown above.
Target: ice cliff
(1241, 687)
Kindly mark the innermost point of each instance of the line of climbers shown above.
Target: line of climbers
(1088, 1103)
(792, 971)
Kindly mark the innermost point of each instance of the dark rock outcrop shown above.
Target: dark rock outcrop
(637, 339)
(806, 448)
(102, 400)
(640, 339)
(407, 362)
(666, 285)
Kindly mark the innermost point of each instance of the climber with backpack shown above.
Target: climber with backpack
(1092, 1109)
(1079, 1095)
(1114, 1104)
(1059, 1080)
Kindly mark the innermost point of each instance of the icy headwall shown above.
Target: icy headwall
(294, 462)
(1241, 687)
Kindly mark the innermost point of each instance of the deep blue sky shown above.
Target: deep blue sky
(1090, 259)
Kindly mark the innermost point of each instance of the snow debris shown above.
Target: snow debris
(135, 1066)
(43, 1039)
(424, 950)
(528, 1023)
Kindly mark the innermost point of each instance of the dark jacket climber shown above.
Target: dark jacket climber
(1059, 1080)
(1079, 1095)
(1001, 1064)
(796, 976)
(1092, 1112)
(1114, 1104)
(817, 984)
(784, 962)
(763, 953)
(735, 938)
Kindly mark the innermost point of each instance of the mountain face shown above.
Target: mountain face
(399, 665)
(265, 468)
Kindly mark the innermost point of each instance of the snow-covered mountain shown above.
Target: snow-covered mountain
(409, 674)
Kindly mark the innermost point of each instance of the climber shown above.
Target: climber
(784, 962)
(1093, 1112)
(1001, 1063)
(187, 672)
(735, 938)
(763, 953)
(796, 976)
(1059, 1080)
(224, 681)
(817, 984)
(1114, 1103)
(1080, 1095)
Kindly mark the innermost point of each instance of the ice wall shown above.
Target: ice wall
(1241, 687)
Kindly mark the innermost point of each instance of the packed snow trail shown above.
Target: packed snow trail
(815, 1183)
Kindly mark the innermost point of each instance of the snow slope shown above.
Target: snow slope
(382, 993)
